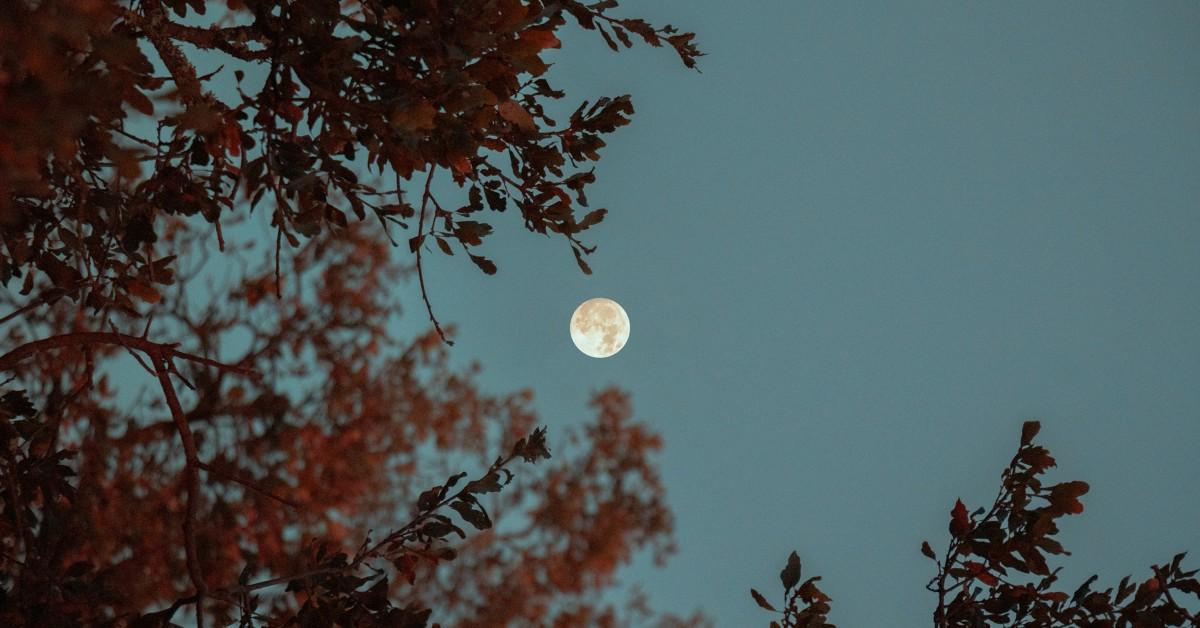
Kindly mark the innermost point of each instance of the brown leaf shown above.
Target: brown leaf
(1029, 430)
(762, 601)
(143, 291)
(790, 575)
(513, 112)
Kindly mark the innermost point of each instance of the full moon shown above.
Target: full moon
(599, 327)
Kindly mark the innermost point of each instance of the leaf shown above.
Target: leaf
(495, 200)
(484, 264)
(461, 165)
(430, 498)
(928, 551)
(1084, 589)
(487, 484)
(439, 529)
(592, 218)
(979, 572)
(1029, 430)
(513, 112)
(790, 575)
(959, 523)
(143, 291)
(415, 116)
(587, 270)
(471, 232)
(1072, 489)
(762, 601)
(139, 101)
(1188, 585)
(533, 448)
(472, 513)
(540, 39)
(608, 39)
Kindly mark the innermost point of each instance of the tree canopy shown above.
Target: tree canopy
(207, 411)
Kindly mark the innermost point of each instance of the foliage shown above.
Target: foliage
(804, 606)
(324, 94)
(196, 218)
(995, 570)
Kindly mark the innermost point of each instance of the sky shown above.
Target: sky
(860, 248)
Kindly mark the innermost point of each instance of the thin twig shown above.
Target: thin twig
(420, 241)
(248, 483)
(11, 359)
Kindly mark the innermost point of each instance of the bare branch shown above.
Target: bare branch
(417, 249)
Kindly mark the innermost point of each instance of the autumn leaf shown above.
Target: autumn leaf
(762, 601)
(484, 264)
(979, 572)
(139, 101)
(461, 165)
(540, 39)
(513, 112)
(790, 575)
(143, 291)
(1029, 430)
(960, 524)
(414, 116)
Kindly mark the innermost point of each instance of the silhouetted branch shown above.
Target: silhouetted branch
(191, 473)
(418, 242)
(166, 350)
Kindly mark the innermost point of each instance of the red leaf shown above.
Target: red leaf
(959, 523)
(291, 113)
(461, 165)
(143, 291)
(979, 572)
(540, 39)
(231, 138)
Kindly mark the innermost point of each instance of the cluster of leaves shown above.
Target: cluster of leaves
(328, 95)
(804, 606)
(995, 570)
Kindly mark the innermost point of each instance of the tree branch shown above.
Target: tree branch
(155, 25)
(191, 475)
(11, 359)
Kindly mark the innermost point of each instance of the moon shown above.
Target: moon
(599, 327)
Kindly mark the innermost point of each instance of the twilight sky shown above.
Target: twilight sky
(857, 251)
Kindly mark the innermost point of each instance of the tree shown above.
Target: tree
(995, 572)
(198, 216)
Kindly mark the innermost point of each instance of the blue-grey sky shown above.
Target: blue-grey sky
(857, 251)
